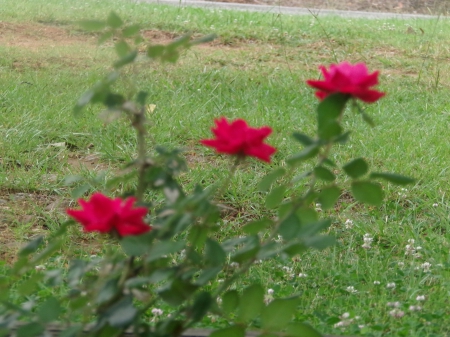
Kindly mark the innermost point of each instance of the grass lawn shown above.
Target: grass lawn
(256, 70)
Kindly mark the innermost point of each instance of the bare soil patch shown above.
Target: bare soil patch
(434, 7)
(36, 36)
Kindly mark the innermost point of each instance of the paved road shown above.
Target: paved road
(288, 10)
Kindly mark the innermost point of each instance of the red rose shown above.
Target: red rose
(346, 78)
(102, 214)
(238, 138)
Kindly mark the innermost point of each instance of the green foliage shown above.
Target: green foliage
(356, 168)
(180, 260)
(367, 192)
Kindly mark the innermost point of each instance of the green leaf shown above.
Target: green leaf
(126, 59)
(230, 302)
(202, 303)
(30, 285)
(308, 152)
(269, 179)
(72, 331)
(275, 197)
(104, 37)
(30, 330)
(214, 254)
(324, 174)
(297, 329)
(320, 241)
(278, 313)
(92, 25)
(122, 313)
(356, 168)
(367, 119)
(170, 56)
(303, 139)
(137, 245)
(31, 246)
(329, 196)
(289, 227)
(257, 226)
(155, 51)
(312, 229)
(177, 292)
(328, 112)
(130, 30)
(207, 275)
(393, 178)
(342, 139)
(108, 291)
(114, 21)
(232, 331)
(204, 39)
(367, 192)
(307, 215)
(122, 48)
(141, 97)
(251, 303)
(49, 310)
(159, 249)
(248, 251)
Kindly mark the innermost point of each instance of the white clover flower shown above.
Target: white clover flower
(319, 207)
(426, 267)
(157, 312)
(345, 320)
(420, 298)
(302, 275)
(348, 224)
(393, 304)
(409, 248)
(351, 290)
(341, 324)
(376, 282)
(40, 267)
(397, 313)
(270, 291)
(435, 205)
(367, 238)
(390, 285)
(415, 308)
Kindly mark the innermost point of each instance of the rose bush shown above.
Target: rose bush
(178, 258)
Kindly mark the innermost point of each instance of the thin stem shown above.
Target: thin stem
(139, 125)
(230, 175)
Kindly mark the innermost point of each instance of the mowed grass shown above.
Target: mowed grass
(256, 70)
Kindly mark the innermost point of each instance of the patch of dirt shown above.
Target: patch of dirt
(24, 216)
(35, 36)
(435, 7)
